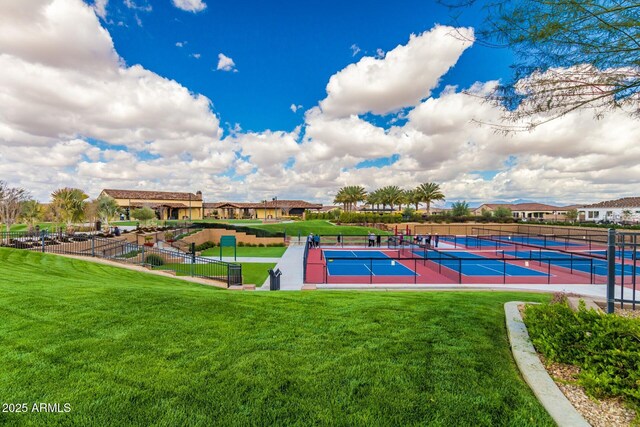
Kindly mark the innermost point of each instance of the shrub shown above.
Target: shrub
(154, 260)
(241, 244)
(605, 347)
(261, 245)
(205, 245)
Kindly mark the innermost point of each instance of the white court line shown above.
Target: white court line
(492, 269)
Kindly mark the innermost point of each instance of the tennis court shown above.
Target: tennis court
(471, 264)
(489, 258)
(364, 263)
(574, 262)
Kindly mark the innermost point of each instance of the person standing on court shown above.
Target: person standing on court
(316, 241)
(310, 240)
(378, 239)
(436, 239)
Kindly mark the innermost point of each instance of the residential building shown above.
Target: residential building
(626, 209)
(166, 204)
(266, 210)
(527, 211)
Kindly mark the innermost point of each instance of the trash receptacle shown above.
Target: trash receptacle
(98, 225)
(274, 279)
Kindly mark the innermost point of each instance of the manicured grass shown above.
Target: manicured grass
(319, 226)
(256, 272)
(25, 227)
(231, 221)
(126, 348)
(247, 251)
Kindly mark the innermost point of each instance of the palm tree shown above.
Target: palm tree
(429, 192)
(392, 195)
(107, 208)
(460, 208)
(373, 199)
(341, 197)
(355, 194)
(69, 203)
(31, 213)
(413, 197)
(350, 195)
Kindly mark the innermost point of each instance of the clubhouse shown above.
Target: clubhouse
(265, 210)
(167, 205)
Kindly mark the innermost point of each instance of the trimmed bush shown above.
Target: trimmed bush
(205, 245)
(605, 347)
(154, 260)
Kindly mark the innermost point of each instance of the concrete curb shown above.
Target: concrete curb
(547, 392)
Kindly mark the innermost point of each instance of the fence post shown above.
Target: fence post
(611, 269)
(142, 259)
(193, 260)
(93, 245)
(42, 234)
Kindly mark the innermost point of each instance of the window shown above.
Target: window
(593, 214)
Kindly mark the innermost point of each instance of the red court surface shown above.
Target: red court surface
(426, 271)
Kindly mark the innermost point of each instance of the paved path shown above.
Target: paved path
(291, 267)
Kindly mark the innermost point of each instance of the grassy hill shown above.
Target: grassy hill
(127, 348)
(317, 226)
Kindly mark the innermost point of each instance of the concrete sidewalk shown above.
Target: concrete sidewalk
(291, 267)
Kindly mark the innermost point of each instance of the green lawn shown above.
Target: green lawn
(127, 348)
(321, 227)
(230, 221)
(25, 227)
(252, 272)
(247, 251)
(256, 272)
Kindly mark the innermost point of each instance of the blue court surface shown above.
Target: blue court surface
(574, 262)
(354, 254)
(476, 265)
(364, 263)
(473, 242)
(627, 254)
(535, 241)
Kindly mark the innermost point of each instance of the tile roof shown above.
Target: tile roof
(151, 195)
(625, 202)
(289, 204)
(238, 205)
(539, 207)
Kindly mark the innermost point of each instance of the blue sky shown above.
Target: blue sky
(285, 52)
(187, 95)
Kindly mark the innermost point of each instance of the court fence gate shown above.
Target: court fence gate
(622, 288)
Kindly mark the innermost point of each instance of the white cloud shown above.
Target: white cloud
(155, 134)
(355, 49)
(403, 78)
(190, 5)
(380, 53)
(181, 44)
(225, 63)
(60, 44)
(131, 4)
(100, 7)
(196, 55)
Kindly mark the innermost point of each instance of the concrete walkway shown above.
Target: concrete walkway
(536, 376)
(291, 267)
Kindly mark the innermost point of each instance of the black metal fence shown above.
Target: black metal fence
(627, 249)
(121, 250)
